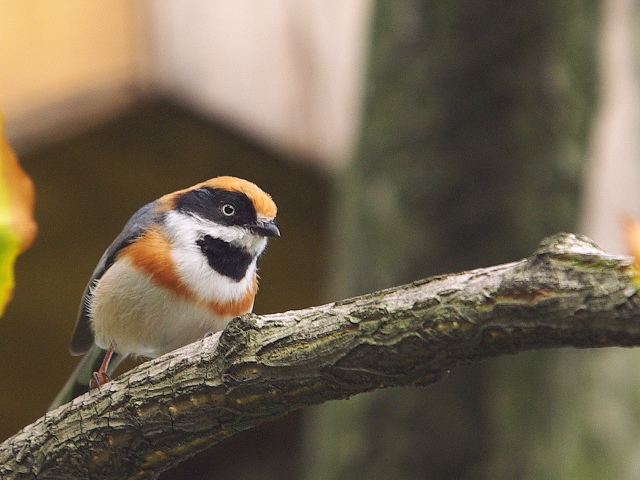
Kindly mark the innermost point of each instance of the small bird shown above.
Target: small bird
(183, 266)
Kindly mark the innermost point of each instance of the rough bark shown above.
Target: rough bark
(569, 293)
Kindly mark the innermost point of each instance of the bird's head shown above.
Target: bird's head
(226, 219)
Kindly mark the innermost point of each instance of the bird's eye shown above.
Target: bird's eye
(228, 209)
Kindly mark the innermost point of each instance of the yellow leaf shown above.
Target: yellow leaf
(18, 229)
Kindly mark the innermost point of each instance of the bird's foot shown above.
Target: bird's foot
(99, 379)
(101, 376)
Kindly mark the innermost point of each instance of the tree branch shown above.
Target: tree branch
(569, 293)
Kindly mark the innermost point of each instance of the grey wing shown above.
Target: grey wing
(82, 338)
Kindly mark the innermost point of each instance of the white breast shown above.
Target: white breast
(142, 318)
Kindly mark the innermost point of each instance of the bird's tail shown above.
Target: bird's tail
(78, 382)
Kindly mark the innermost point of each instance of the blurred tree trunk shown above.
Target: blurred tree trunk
(472, 145)
(594, 412)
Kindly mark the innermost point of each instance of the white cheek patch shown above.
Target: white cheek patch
(184, 229)
(238, 236)
(192, 266)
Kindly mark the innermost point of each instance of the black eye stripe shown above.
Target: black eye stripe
(208, 203)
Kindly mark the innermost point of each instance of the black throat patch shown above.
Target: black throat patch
(224, 258)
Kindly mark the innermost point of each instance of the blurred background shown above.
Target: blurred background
(400, 139)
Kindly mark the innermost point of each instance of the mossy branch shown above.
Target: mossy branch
(568, 293)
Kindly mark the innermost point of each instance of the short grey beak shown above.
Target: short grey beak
(266, 229)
